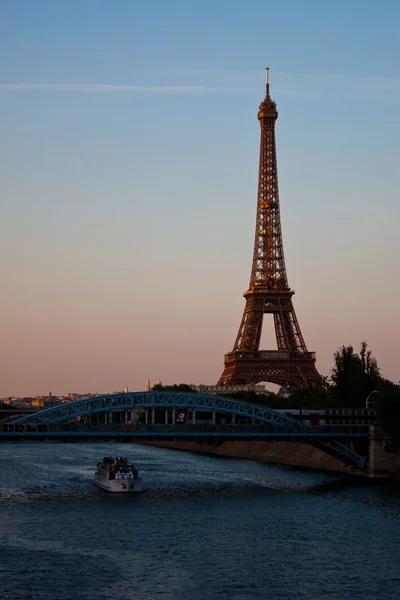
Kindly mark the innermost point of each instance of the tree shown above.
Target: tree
(313, 397)
(181, 387)
(317, 395)
(386, 403)
(354, 376)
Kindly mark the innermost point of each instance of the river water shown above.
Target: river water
(204, 528)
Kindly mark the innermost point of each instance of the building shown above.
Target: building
(215, 390)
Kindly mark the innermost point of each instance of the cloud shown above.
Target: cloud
(96, 88)
(315, 86)
(311, 85)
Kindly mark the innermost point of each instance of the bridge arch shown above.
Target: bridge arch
(132, 400)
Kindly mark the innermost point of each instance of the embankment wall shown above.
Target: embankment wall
(296, 454)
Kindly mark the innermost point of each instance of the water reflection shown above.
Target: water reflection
(204, 528)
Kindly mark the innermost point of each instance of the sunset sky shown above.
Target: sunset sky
(129, 149)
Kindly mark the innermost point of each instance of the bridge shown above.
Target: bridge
(92, 419)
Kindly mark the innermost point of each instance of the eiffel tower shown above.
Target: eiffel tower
(292, 365)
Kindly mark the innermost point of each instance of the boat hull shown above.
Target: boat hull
(119, 485)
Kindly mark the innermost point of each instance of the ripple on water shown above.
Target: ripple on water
(204, 528)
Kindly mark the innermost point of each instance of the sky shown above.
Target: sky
(129, 147)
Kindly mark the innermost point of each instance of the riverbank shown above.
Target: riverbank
(295, 454)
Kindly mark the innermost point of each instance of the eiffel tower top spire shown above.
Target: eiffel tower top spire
(267, 106)
(267, 82)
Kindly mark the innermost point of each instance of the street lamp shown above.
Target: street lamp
(367, 402)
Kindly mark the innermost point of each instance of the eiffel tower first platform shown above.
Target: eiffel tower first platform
(292, 365)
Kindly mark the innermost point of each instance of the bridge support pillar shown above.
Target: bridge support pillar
(174, 415)
(213, 417)
(383, 458)
(233, 419)
(146, 412)
(194, 416)
(153, 415)
(166, 416)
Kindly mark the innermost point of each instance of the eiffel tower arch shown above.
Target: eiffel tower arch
(291, 365)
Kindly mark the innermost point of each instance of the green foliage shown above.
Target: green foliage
(354, 376)
(268, 400)
(386, 403)
(315, 397)
(181, 387)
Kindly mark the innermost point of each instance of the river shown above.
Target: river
(204, 528)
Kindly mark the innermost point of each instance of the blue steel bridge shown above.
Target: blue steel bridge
(94, 419)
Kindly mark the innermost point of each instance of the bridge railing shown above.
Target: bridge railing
(249, 429)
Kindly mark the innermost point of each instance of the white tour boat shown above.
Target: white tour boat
(117, 475)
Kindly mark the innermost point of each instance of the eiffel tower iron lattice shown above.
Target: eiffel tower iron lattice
(291, 365)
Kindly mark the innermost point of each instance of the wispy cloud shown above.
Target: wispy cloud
(315, 86)
(98, 88)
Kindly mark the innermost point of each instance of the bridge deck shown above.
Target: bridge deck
(249, 432)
